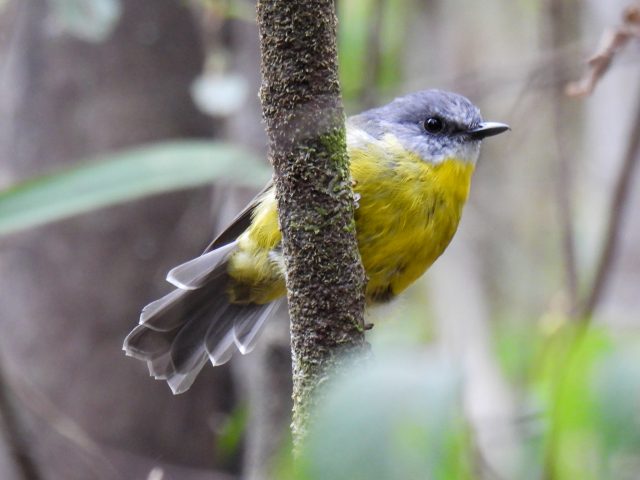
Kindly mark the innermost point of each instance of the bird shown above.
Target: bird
(411, 164)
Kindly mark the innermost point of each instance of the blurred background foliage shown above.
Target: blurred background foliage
(516, 356)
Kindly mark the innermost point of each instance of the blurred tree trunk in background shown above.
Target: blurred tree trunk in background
(70, 292)
(613, 103)
(559, 24)
(456, 285)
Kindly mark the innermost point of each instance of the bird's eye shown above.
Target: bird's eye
(434, 125)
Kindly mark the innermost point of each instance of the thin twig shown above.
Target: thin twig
(599, 65)
(564, 191)
(619, 202)
(611, 43)
(14, 434)
(39, 405)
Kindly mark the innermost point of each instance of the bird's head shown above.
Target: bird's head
(433, 124)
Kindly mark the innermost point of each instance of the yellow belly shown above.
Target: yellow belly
(408, 212)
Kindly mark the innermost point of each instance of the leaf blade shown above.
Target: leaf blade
(123, 176)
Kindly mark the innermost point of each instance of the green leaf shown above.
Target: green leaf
(119, 177)
(570, 358)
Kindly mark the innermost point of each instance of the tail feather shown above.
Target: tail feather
(187, 346)
(179, 332)
(217, 339)
(161, 367)
(144, 344)
(156, 317)
(170, 311)
(246, 328)
(180, 382)
(195, 273)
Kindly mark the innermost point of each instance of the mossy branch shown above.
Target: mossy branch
(304, 118)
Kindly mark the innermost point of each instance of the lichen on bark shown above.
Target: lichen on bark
(304, 118)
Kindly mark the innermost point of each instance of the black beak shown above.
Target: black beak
(487, 129)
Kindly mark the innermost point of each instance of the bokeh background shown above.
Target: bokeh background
(516, 356)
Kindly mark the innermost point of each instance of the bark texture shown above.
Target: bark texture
(304, 117)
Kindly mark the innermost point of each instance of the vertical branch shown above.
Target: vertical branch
(612, 41)
(559, 15)
(557, 21)
(584, 309)
(304, 118)
(618, 204)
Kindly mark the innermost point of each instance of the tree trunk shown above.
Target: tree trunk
(302, 108)
(71, 291)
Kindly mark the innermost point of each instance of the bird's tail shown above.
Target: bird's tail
(194, 323)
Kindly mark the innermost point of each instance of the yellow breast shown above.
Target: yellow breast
(408, 211)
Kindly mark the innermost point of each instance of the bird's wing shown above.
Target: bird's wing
(240, 223)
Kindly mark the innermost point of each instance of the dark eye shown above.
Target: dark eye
(434, 125)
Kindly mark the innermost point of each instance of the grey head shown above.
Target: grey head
(434, 124)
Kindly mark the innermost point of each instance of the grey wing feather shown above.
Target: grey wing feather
(143, 343)
(240, 223)
(185, 328)
(152, 315)
(192, 274)
(179, 332)
(180, 382)
(247, 327)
